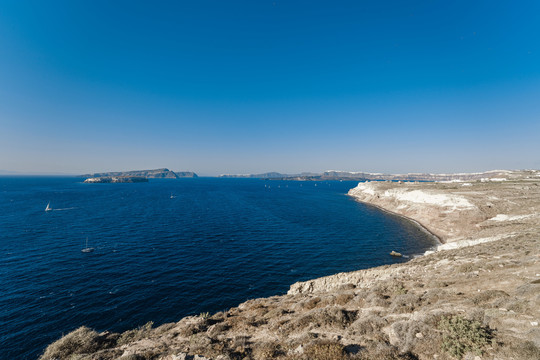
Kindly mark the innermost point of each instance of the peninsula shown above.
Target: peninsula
(474, 296)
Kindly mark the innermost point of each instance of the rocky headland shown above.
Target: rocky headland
(475, 296)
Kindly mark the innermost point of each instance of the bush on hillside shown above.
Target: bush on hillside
(461, 336)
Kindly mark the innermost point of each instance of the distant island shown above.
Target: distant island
(267, 175)
(363, 176)
(147, 174)
(115, 179)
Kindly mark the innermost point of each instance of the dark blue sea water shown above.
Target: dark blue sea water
(214, 244)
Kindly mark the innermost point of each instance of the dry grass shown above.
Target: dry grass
(334, 317)
(325, 350)
(382, 351)
(342, 299)
(489, 296)
(368, 325)
(80, 341)
(526, 350)
(268, 350)
(135, 334)
(311, 303)
(405, 303)
(376, 298)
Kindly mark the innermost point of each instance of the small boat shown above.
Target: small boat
(172, 197)
(48, 208)
(87, 249)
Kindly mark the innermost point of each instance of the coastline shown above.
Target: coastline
(382, 195)
(425, 229)
(393, 310)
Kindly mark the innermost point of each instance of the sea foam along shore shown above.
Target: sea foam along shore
(431, 306)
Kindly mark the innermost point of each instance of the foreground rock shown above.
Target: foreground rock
(473, 302)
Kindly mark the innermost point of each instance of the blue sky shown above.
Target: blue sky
(252, 86)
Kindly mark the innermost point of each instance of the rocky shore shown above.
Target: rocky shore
(475, 296)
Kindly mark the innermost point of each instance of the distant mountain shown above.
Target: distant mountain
(345, 175)
(268, 175)
(148, 174)
(361, 176)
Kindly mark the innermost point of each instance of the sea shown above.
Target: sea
(171, 248)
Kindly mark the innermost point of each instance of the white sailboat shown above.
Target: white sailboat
(87, 249)
(48, 208)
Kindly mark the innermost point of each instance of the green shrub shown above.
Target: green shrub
(461, 336)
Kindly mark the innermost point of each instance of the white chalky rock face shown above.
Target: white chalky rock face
(449, 213)
(465, 243)
(493, 179)
(453, 202)
(504, 217)
(422, 197)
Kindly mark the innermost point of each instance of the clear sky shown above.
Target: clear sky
(253, 86)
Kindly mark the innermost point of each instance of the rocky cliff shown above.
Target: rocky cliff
(186, 174)
(477, 296)
(149, 174)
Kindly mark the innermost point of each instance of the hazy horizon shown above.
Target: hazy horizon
(16, 173)
(250, 87)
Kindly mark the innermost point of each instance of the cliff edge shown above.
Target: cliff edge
(476, 296)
